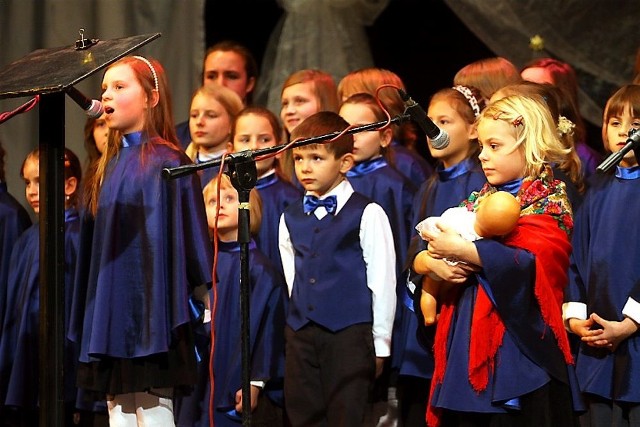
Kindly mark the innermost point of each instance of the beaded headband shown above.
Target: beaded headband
(466, 92)
(153, 70)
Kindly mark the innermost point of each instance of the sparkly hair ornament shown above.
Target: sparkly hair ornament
(565, 126)
(515, 123)
(470, 98)
(153, 70)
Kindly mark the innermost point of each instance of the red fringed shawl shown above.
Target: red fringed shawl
(543, 230)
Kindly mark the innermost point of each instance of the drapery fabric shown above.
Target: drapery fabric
(598, 38)
(29, 25)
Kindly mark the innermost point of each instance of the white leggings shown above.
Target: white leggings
(141, 409)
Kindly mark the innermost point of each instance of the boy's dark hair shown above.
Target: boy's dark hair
(322, 123)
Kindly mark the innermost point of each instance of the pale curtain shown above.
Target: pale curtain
(28, 25)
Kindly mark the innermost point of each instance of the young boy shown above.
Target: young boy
(339, 263)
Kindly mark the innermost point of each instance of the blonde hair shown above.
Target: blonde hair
(229, 100)
(488, 75)
(533, 127)
(255, 201)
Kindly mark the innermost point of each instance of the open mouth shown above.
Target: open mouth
(108, 110)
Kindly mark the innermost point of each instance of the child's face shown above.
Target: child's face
(209, 123)
(298, 102)
(227, 68)
(254, 132)
(501, 160)
(31, 174)
(460, 133)
(124, 99)
(618, 133)
(228, 216)
(101, 134)
(318, 170)
(366, 145)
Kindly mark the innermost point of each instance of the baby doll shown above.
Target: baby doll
(496, 215)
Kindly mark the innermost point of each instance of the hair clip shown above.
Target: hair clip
(497, 115)
(517, 121)
(153, 70)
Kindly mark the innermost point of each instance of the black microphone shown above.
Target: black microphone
(633, 143)
(92, 107)
(439, 138)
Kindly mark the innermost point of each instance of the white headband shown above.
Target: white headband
(470, 98)
(153, 70)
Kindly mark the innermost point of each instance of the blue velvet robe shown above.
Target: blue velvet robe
(604, 273)
(14, 219)
(146, 250)
(19, 341)
(412, 353)
(266, 328)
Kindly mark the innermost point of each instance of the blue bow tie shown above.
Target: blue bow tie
(312, 202)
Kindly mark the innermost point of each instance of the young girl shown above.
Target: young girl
(504, 322)
(305, 92)
(266, 316)
(409, 162)
(213, 110)
(602, 298)
(257, 128)
(19, 341)
(147, 250)
(457, 174)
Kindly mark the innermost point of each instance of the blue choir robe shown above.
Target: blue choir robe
(604, 273)
(19, 341)
(410, 164)
(142, 256)
(392, 191)
(448, 188)
(276, 195)
(14, 219)
(266, 328)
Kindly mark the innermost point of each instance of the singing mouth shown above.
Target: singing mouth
(108, 110)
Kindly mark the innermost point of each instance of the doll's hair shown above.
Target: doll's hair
(250, 64)
(626, 98)
(255, 201)
(322, 123)
(324, 87)
(488, 75)
(533, 128)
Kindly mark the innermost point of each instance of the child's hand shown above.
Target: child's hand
(255, 392)
(446, 243)
(379, 366)
(611, 334)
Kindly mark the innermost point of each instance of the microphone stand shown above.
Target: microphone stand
(243, 173)
(633, 143)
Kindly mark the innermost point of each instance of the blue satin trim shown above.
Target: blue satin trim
(132, 139)
(70, 214)
(628, 173)
(511, 187)
(266, 181)
(407, 299)
(454, 171)
(367, 167)
(234, 246)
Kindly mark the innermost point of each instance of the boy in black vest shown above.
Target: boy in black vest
(339, 261)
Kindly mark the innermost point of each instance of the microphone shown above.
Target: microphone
(92, 107)
(633, 143)
(439, 138)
